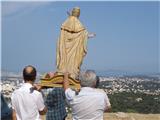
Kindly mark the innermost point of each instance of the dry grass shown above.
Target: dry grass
(131, 116)
(128, 116)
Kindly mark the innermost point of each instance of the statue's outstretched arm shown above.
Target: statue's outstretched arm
(91, 35)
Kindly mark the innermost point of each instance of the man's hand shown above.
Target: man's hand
(37, 87)
(43, 112)
(108, 109)
(14, 115)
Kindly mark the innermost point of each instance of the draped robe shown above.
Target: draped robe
(71, 46)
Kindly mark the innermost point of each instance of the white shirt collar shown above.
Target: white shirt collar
(87, 88)
(27, 85)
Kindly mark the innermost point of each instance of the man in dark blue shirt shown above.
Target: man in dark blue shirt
(55, 102)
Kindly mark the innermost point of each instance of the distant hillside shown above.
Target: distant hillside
(125, 73)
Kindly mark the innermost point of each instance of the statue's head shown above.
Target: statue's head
(76, 12)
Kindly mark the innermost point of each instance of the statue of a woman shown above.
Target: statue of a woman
(72, 45)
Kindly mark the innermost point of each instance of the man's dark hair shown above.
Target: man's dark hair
(29, 73)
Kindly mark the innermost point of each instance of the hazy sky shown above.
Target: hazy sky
(127, 34)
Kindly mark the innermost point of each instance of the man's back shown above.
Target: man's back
(88, 104)
(55, 102)
(27, 103)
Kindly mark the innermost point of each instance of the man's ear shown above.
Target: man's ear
(94, 84)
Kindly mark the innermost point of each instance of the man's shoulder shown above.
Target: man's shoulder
(23, 91)
(68, 90)
(16, 91)
(100, 92)
(70, 94)
(37, 93)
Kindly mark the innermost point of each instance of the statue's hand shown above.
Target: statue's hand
(91, 35)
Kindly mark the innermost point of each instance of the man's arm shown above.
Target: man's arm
(40, 102)
(108, 104)
(66, 81)
(13, 107)
(69, 93)
(37, 87)
(14, 115)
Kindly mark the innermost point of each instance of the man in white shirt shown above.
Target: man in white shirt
(89, 103)
(27, 103)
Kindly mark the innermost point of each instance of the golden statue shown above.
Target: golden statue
(71, 49)
(72, 45)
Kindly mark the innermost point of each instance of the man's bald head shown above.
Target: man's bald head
(29, 73)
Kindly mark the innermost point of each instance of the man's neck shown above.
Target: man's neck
(30, 82)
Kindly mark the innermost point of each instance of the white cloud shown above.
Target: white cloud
(11, 8)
